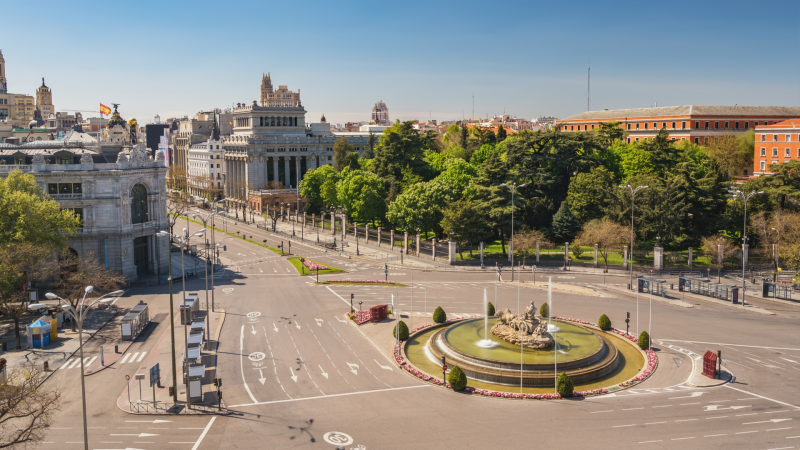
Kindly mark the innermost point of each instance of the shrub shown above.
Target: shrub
(457, 379)
(388, 311)
(403, 330)
(352, 316)
(544, 310)
(490, 309)
(644, 340)
(604, 323)
(439, 315)
(564, 385)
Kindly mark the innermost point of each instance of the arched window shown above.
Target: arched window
(139, 204)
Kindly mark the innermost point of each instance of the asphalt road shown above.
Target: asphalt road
(296, 375)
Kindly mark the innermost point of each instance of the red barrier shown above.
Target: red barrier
(710, 364)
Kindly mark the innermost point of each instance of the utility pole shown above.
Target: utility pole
(589, 90)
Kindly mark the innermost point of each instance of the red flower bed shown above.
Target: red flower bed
(360, 281)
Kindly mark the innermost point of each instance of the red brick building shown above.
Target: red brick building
(775, 144)
(695, 123)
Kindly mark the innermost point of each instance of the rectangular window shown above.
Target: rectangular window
(763, 138)
(637, 139)
(593, 126)
(706, 125)
(571, 128)
(736, 125)
(774, 152)
(629, 127)
(683, 125)
(66, 188)
(726, 125)
(637, 127)
(696, 140)
(655, 126)
(697, 124)
(763, 165)
(673, 125)
(774, 162)
(755, 124)
(664, 125)
(77, 188)
(716, 125)
(645, 125)
(774, 138)
(52, 188)
(788, 138)
(763, 151)
(788, 153)
(629, 139)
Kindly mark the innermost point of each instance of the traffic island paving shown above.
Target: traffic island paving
(140, 397)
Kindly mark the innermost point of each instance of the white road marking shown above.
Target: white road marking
(293, 376)
(125, 358)
(382, 366)
(622, 426)
(761, 396)
(141, 357)
(767, 421)
(324, 374)
(247, 388)
(203, 434)
(733, 345)
(598, 412)
(90, 362)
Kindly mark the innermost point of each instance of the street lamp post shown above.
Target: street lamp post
(633, 199)
(78, 317)
(355, 230)
(205, 271)
(171, 316)
(745, 197)
(777, 250)
(185, 240)
(513, 187)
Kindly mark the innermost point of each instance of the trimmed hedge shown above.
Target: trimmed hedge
(439, 315)
(604, 323)
(403, 331)
(564, 385)
(490, 309)
(457, 379)
(644, 340)
(544, 310)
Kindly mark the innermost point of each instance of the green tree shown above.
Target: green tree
(480, 156)
(369, 149)
(312, 182)
(733, 152)
(564, 226)
(785, 183)
(341, 152)
(463, 219)
(457, 379)
(501, 133)
(494, 201)
(403, 328)
(604, 322)
(419, 206)
(544, 310)
(400, 146)
(610, 132)
(29, 215)
(490, 311)
(362, 194)
(452, 135)
(564, 385)
(662, 151)
(461, 174)
(439, 316)
(588, 194)
(463, 139)
(644, 340)
(436, 160)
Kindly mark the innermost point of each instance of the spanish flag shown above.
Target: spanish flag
(105, 110)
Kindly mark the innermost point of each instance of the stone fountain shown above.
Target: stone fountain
(525, 329)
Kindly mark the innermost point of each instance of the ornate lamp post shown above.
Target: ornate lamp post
(633, 198)
(745, 198)
(513, 187)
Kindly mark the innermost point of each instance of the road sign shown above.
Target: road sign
(385, 271)
(155, 374)
(127, 378)
(444, 368)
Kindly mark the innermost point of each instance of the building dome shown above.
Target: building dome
(116, 119)
(322, 119)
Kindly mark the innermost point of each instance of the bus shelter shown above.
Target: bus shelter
(135, 321)
(652, 286)
(693, 285)
(777, 290)
(726, 292)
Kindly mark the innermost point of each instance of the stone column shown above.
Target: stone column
(433, 248)
(566, 254)
(481, 247)
(405, 242)
(300, 169)
(333, 222)
(625, 257)
(275, 172)
(452, 252)
(287, 175)
(344, 226)
(595, 255)
(391, 239)
(366, 233)
(719, 255)
(658, 257)
(417, 245)
(379, 236)
(537, 251)
(690, 257)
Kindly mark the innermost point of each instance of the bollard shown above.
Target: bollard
(116, 348)
(46, 366)
(4, 346)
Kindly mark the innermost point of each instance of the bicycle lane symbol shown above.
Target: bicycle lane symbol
(337, 438)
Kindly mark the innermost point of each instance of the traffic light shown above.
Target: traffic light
(218, 382)
(224, 248)
(628, 319)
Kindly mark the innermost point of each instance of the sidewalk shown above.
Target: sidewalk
(678, 302)
(58, 352)
(130, 400)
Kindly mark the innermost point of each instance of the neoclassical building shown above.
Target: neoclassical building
(272, 146)
(122, 204)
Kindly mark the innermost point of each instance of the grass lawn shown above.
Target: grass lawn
(303, 270)
(359, 284)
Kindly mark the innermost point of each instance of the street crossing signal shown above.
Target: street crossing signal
(628, 319)
(224, 248)
(218, 382)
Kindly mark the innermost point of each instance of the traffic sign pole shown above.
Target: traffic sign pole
(128, 384)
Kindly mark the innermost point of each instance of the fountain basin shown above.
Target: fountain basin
(583, 353)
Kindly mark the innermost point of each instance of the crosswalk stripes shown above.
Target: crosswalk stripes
(89, 360)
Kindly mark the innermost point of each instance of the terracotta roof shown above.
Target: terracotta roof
(687, 110)
(789, 123)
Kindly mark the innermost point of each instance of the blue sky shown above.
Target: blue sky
(525, 58)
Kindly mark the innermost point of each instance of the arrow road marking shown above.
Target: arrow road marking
(275, 327)
(323, 372)
(319, 322)
(297, 324)
(262, 379)
(382, 366)
(137, 435)
(293, 377)
(340, 320)
(352, 369)
(767, 421)
(254, 331)
(150, 421)
(694, 394)
(717, 407)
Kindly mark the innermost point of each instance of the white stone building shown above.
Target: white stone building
(122, 203)
(380, 114)
(206, 168)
